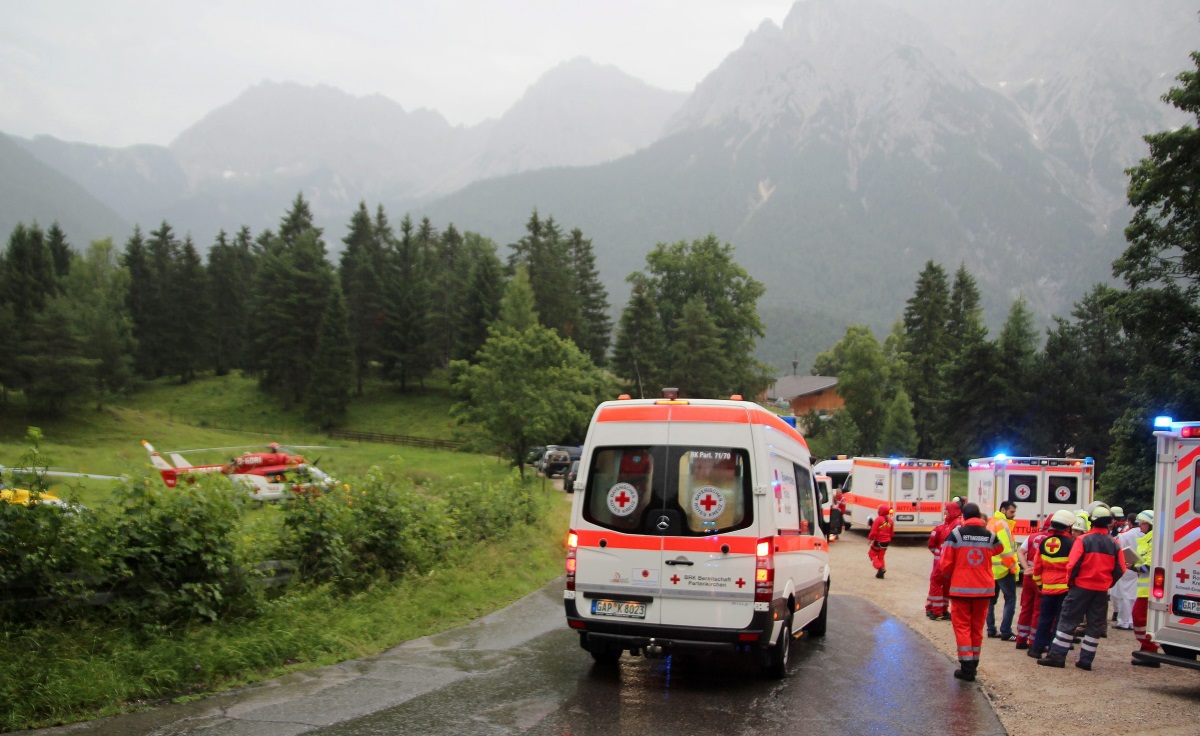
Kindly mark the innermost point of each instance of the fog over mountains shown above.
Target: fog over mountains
(837, 152)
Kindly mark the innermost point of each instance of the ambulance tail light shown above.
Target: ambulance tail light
(572, 546)
(764, 570)
(1158, 583)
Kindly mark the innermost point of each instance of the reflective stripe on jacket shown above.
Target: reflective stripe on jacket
(1004, 563)
(965, 560)
(1144, 546)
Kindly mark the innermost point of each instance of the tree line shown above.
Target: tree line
(937, 386)
(400, 303)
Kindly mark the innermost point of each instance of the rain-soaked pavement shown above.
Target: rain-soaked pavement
(521, 671)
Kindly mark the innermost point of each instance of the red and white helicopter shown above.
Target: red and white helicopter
(268, 476)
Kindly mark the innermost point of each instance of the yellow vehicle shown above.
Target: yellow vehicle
(24, 497)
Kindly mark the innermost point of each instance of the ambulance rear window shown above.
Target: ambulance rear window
(677, 491)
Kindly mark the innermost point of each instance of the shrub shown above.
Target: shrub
(173, 552)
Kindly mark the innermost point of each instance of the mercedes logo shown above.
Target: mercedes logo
(664, 522)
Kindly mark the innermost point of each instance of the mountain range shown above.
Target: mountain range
(838, 152)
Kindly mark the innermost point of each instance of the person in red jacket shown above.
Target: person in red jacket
(1050, 573)
(1031, 594)
(966, 565)
(882, 531)
(1095, 564)
(935, 602)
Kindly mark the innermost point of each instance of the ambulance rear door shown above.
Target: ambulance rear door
(710, 527)
(619, 554)
(1175, 615)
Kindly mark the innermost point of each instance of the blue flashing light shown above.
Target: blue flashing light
(1162, 421)
(894, 462)
(790, 421)
(1001, 457)
(1089, 461)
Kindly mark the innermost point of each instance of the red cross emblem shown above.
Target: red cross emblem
(708, 502)
(975, 557)
(622, 499)
(1053, 545)
(675, 579)
(1183, 575)
(740, 583)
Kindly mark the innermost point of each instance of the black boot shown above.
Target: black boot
(966, 670)
(879, 573)
(1053, 659)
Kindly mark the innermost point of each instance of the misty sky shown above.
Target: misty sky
(119, 72)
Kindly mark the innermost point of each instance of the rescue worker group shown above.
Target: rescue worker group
(1067, 570)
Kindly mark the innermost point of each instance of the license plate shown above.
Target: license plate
(624, 609)
(1187, 606)
(905, 517)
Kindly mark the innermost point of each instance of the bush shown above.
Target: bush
(173, 552)
(47, 558)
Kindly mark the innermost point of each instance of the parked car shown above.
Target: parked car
(558, 459)
(569, 478)
(533, 458)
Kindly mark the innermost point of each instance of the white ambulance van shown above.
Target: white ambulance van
(1038, 485)
(697, 529)
(837, 470)
(916, 490)
(1173, 615)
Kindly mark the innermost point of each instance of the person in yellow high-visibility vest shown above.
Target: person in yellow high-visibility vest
(1145, 544)
(1004, 570)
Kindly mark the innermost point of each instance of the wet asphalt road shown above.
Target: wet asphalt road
(521, 671)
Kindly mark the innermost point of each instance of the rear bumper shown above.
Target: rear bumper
(1189, 662)
(633, 635)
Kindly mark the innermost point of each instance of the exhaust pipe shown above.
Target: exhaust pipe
(653, 650)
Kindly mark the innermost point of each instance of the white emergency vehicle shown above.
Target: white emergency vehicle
(916, 489)
(1038, 485)
(698, 528)
(1173, 615)
(837, 470)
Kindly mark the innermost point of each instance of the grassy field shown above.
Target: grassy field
(230, 412)
(51, 675)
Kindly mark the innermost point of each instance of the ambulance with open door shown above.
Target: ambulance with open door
(697, 528)
(1173, 615)
(1038, 485)
(917, 491)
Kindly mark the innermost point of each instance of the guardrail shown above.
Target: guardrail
(395, 439)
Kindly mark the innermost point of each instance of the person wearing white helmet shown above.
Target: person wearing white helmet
(1095, 565)
(1124, 593)
(1052, 575)
(1145, 544)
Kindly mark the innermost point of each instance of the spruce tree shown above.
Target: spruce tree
(481, 299)
(641, 346)
(595, 326)
(360, 273)
(140, 302)
(927, 350)
(698, 363)
(332, 375)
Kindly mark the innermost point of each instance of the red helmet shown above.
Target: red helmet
(884, 509)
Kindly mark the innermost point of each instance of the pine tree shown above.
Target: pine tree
(361, 276)
(595, 326)
(405, 348)
(189, 308)
(480, 304)
(140, 302)
(1017, 347)
(94, 302)
(698, 363)
(898, 437)
(641, 345)
(60, 251)
(927, 350)
(332, 375)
